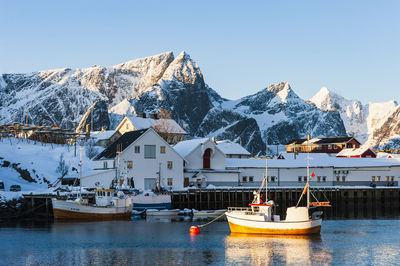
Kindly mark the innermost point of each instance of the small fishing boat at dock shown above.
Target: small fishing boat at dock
(108, 205)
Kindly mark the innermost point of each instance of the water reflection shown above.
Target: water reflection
(262, 249)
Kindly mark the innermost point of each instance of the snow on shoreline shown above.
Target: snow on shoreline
(40, 159)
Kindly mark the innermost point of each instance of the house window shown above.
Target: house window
(169, 164)
(149, 151)
(343, 179)
(251, 178)
(392, 178)
(244, 179)
(337, 178)
(162, 149)
(387, 178)
(105, 165)
(373, 179)
(318, 179)
(169, 181)
(129, 164)
(272, 178)
(305, 179)
(127, 126)
(324, 179)
(299, 178)
(378, 178)
(349, 145)
(137, 149)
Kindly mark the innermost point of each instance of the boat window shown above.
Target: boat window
(256, 208)
(108, 193)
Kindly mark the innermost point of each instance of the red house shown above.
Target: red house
(322, 145)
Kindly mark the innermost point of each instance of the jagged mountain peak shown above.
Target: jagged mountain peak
(184, 69)
(158, 58)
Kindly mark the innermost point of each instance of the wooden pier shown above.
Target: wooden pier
(346, 202)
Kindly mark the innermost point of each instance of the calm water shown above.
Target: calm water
(167, 242)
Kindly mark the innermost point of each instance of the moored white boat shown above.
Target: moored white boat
(109, 205)
(207, 213)
(155, 212)
(150, 200)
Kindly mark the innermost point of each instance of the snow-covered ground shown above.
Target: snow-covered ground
(40, 160)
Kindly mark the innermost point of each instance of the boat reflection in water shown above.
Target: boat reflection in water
(262, 249)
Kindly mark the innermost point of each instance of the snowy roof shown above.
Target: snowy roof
(170, 125)
(187, 146)
(352, 151)
(98, 135)
(125, 140)
(229, 147)
(316, 160)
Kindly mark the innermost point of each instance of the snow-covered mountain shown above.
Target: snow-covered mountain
(145, 85)
(365, 122)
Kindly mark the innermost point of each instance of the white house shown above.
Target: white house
(144, 160)
(169, 129)
(205, 164)
(232, 149)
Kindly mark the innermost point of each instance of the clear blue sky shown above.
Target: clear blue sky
(351, 47)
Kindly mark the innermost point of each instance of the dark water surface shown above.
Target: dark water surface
(167, 241)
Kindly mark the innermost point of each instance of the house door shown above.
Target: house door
(186, 182)
(149, 183)
(206, 159)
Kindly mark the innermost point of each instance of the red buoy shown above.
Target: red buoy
(194, 230)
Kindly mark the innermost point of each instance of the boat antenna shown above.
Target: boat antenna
(80, 171)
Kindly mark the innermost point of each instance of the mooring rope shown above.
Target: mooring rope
(202, 225)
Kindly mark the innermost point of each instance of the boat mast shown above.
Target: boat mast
(266, 166)
(80, 171)
(308, 170)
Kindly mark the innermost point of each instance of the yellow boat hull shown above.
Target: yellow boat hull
(235, 228)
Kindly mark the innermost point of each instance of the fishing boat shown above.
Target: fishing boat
(108, 205)
(260, 217)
